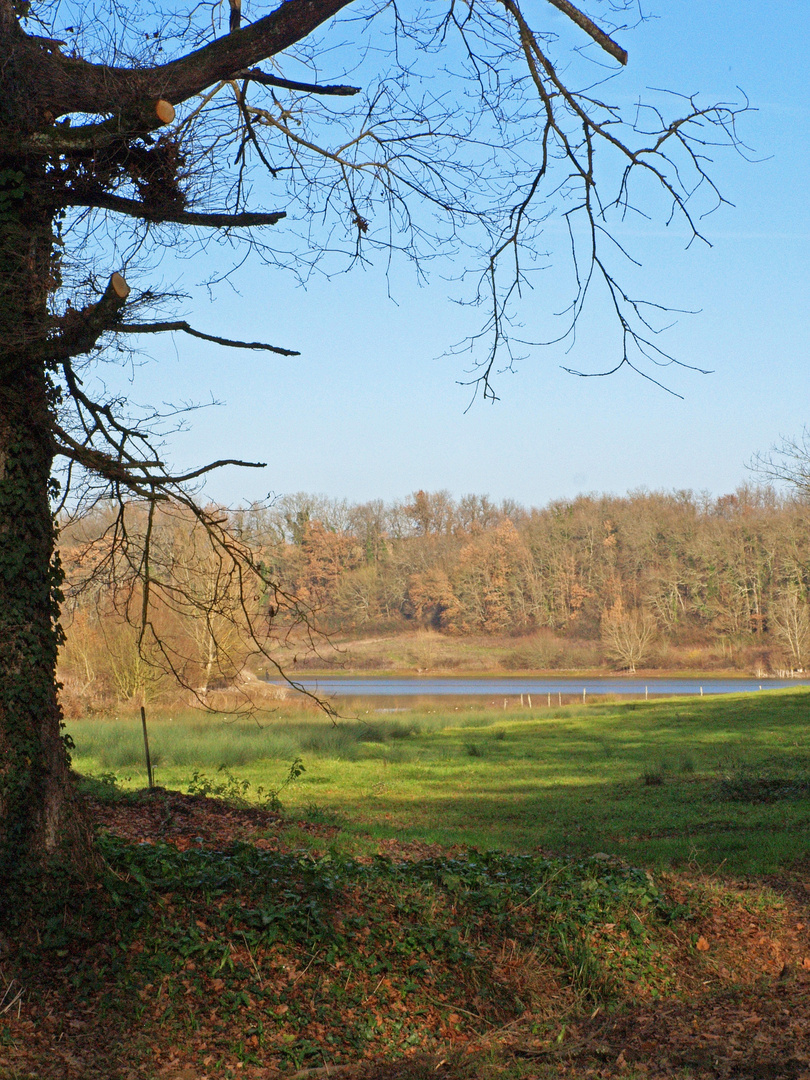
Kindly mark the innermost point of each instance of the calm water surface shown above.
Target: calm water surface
(515, 685)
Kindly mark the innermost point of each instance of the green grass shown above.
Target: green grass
(720, 783)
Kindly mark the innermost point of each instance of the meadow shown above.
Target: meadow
(720, 784)
(616, 889)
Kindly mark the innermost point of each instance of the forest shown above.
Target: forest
(649, 580)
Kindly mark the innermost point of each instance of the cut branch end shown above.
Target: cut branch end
(119, 286)
(164, 111)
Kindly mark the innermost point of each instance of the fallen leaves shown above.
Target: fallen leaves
(295, 1005)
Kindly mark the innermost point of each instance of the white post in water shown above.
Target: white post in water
(521, 701)
(646, 693)
(529, 696)
(584, 692)
(701, 691)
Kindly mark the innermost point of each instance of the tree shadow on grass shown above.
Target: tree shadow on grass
(678, 822)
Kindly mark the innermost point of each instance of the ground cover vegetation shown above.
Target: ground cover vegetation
(651, 580)
(238, 937)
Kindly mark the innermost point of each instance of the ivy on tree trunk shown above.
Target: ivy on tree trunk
(39, 818)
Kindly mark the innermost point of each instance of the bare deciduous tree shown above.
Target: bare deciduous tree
(788, 463)
(124, 133)
(628, 634)
(790, 622)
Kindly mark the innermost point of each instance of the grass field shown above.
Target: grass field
(720, 784)
(220, 942)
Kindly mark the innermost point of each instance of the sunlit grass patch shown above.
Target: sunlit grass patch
(714, 782)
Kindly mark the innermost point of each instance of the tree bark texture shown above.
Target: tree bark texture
(38, 812)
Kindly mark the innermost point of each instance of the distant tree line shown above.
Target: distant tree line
(636, 575)
(696, 568)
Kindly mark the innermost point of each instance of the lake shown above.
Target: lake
(515, 685)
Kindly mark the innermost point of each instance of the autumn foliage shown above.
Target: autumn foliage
(647, 580)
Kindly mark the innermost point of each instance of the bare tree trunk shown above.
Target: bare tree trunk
(209, 661)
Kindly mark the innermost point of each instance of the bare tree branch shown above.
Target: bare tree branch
(174, 215)
(101, 463)
(182, 325)
(258, 76)
(145, 116)
(590, 28)
(235, 20)
(184, 478)
(787, 462)
(66, 85)
(82, 329)
(143, 478)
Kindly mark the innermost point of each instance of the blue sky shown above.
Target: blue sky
(373, 407)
